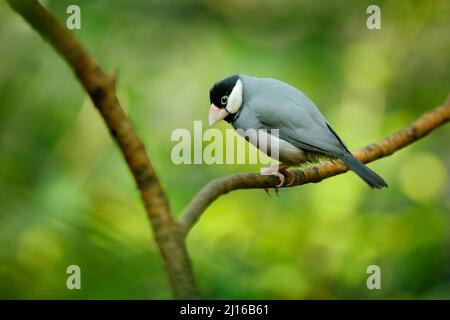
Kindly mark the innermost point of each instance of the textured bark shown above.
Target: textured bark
(396, 141)
(101, 88)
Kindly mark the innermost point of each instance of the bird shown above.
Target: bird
(303, 135)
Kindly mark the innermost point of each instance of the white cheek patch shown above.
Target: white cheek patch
(235, 98)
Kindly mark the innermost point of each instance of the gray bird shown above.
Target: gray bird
(303, 134)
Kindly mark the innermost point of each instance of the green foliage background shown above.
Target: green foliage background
(66, 196)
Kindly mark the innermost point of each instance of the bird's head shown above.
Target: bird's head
(226, 99)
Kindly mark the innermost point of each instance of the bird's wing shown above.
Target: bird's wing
(298, 120)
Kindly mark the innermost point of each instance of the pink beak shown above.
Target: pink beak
(216, 114)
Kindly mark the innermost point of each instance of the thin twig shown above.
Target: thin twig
(396, 141)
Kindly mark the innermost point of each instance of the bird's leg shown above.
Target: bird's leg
(274, 171)
(279, 170)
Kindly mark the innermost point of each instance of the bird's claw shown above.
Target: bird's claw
(290, 176)
(281, 177)
(266, 190)
(280, 174)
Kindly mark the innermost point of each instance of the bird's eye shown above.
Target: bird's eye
(224, 100)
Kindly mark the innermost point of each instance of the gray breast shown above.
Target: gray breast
(248, 126)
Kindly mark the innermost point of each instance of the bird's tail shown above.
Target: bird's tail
(369, 176)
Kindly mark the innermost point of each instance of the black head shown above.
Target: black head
(221, 90)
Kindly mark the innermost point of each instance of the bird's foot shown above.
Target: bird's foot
(274, 171)
(280, 172)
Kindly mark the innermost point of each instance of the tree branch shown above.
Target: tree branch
(101, 88)
(396, 141)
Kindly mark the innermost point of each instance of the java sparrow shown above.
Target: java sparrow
(303, 135)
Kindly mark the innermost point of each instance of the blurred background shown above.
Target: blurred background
(66, 196)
